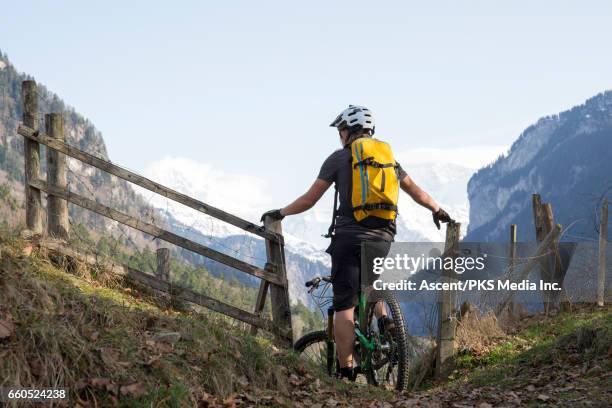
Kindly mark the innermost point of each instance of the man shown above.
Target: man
(345, 249)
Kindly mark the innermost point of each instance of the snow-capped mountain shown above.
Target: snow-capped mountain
(565, 158)
(446, 183)
(304, 245)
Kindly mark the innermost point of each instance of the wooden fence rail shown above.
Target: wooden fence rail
(127, 175)
(157, 232)
(273, 275)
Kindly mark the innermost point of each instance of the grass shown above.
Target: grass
(97, 338)
(568, 353)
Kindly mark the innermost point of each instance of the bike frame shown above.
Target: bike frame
(367, 345)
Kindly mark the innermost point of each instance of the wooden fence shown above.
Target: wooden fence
(546, 257)
(273, 276)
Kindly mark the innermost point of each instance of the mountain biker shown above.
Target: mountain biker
(345, 249)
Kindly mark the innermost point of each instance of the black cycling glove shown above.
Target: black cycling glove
(274, 214)
(441, 216)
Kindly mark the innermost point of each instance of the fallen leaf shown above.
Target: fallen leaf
(595, 370)
(6, 328)
(543, 397)
(229, 402)
(207, 355)
(153, 362)
(249, 397)
(80, 384)
(27, 250)
(159, 346)
(36, 367)
(133, 390)
(531, 388)
(242, 380)
(164, 347)
(294, 380)
(109, 355)
(104, 384)
(331, 402)
(167, 337)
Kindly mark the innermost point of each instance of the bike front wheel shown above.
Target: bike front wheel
(316, 348)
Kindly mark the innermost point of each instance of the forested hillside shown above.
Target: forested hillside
(93, 233)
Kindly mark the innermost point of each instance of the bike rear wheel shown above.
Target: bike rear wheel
(389, 362)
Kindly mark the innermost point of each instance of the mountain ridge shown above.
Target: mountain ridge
(563, 157)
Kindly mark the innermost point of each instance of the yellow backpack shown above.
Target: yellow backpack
(375, 183)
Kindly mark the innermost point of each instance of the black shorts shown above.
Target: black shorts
(346, 269)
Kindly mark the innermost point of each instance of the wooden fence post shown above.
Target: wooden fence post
(511, 263)
(512, 248)
(447, 321)
(603, 241)
(29, 97)
(163, 264)
(538, 217)
(58, 225)
(279, 294)
(260, 303)
(555, 265)
(540, 224)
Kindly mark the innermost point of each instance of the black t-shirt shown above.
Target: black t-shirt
(337, 169)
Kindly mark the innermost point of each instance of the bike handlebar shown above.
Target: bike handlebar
(316, 281)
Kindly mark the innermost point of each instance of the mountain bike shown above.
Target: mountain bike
(380, 352)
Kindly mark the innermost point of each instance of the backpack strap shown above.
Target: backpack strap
(369, 161)
(377, 206)
(332, 226)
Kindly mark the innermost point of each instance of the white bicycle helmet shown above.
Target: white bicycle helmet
(354, 118)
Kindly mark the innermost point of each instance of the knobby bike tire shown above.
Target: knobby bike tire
(400, 336)
(308, 339)
(312, 338)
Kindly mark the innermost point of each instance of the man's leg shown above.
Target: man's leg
(377, 250)
(344, 333)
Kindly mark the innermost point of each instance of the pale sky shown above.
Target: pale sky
(251, 87)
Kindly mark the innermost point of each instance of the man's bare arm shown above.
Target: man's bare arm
(307, 200)
(418, 195)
